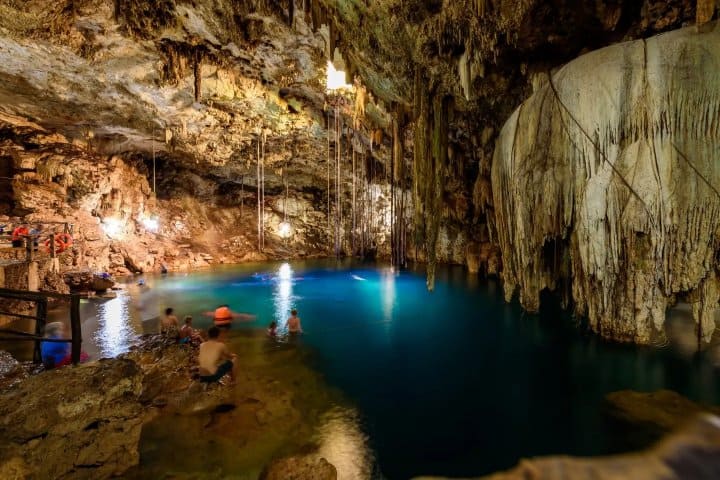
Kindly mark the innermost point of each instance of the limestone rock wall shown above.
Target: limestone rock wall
(91, 431)
(605, 185)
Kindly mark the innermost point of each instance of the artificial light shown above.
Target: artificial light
(111, 226)
(284, 229)
(151, 224)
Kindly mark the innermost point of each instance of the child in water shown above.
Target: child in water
(272, 329)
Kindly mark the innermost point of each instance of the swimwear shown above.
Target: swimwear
(222, 369)
(184, 340)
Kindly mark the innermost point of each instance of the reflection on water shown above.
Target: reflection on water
(115, 333)
(344, 445)
(388, 293)
(282, 296)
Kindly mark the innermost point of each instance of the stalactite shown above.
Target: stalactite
(435, 182)
(705, 11)
(197, 73)
(259, 200)
(622, 178)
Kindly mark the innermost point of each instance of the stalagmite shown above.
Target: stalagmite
(612, 165)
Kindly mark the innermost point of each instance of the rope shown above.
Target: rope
(599, 150)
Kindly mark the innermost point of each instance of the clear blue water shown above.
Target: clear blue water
(455, 382)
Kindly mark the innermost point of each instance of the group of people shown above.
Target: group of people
(293, 324)
(214, 358)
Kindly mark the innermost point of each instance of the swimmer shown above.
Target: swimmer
(223, 316)
(272, 329)
(293, 323)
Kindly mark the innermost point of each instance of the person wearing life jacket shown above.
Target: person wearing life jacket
(223, 316)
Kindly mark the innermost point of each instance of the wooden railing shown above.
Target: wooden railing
(34, 244)
(40, 299)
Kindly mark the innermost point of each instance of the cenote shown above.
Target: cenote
(453, 382)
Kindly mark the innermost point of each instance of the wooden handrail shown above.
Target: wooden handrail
(41, 300)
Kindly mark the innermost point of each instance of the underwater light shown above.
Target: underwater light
(335, 78)
(151, 224)
(284, 229)
(111, 226)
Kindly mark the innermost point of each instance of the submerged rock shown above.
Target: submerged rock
(654, 413)
(299, 468)
(693, 453)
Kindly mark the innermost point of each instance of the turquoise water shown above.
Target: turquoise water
(454, 382)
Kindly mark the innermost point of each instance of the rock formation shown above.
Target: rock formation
(90, 430)
(690, 453)
(605, 186)
(144, 125)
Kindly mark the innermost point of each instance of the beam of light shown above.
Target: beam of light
(282, 296)
(335, 79)
(112, 227)
(115, 333)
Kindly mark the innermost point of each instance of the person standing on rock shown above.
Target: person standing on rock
(214, 358)
(223, 316)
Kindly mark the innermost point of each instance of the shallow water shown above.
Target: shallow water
(454, 382)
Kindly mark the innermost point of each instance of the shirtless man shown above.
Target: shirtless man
(293, 323)
(215, 359)
(169, 323)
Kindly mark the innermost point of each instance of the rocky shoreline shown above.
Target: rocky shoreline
(114, 417)
(88, 421)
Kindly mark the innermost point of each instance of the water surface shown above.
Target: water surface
(455, 382)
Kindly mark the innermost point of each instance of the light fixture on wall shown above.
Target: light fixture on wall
(284, 229)
(151, 224)
(112, 227)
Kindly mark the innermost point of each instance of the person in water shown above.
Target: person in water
(293, 323)
(169, 323)
(223, 316)
(272, 329)
(214, 358)
(188, 334)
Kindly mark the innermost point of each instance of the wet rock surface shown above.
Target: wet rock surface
(84, 281)
(653, 414)
(691, 453)
(299, 468)
(96, 420)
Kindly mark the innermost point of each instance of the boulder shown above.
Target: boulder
(299, 468)
(83, 281)
(79, 422)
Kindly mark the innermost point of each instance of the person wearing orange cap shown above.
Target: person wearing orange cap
(223, 316)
